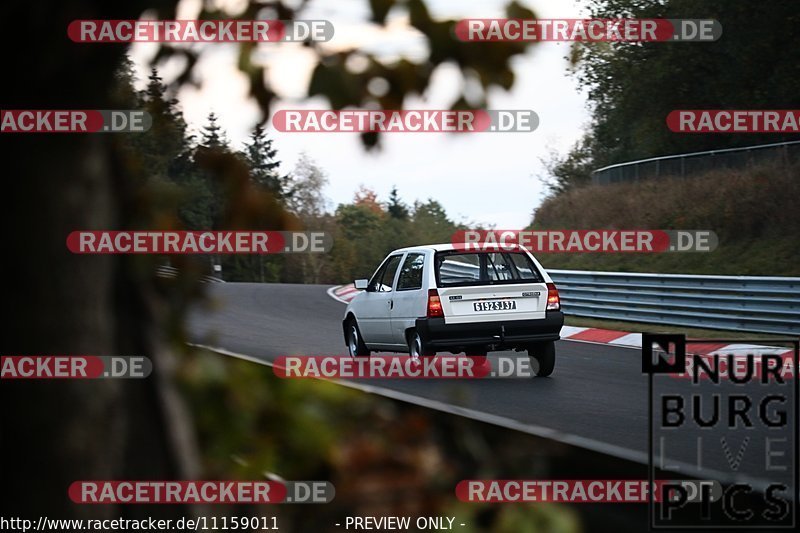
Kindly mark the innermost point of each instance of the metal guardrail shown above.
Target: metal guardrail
(744, 303)
(172, 272)
(681, 165)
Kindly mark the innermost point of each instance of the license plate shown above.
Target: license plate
(496, 305)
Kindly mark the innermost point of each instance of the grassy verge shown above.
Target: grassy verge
(753, 211)
(774, 256)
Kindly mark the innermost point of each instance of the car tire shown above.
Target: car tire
(416, 346)
(355, 344)
(544, 356)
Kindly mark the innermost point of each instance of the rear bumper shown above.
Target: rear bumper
(503, 334)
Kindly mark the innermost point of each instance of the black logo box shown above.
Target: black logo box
(675, 346)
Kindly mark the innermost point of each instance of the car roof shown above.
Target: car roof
(435, 247)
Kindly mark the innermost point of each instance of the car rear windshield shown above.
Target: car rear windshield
(457, 269)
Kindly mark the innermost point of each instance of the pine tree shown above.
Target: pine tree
(396, 208)
(213, 136)
(158, 105)
(207, 182)
(261, 157)
(166, 141)
(155, 87)
(124, 93)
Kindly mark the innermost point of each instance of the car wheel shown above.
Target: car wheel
(355, 344)
(416, 347)
(543, 358)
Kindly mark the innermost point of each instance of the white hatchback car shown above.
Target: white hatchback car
(440, 298)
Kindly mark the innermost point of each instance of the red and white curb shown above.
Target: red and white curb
(625, 339)
(634, 340)
(343, 293)
(602, 336)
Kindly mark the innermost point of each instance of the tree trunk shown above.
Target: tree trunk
(55, 432)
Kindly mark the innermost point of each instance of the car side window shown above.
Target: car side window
(411, 273)
(376, 277)
(382, 282)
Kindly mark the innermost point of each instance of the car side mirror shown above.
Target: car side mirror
(361, 284)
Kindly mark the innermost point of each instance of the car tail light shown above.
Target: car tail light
(553, 300)
(434, 304)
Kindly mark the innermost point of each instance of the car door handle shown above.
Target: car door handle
(391, 304)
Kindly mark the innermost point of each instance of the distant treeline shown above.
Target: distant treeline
(632, 87)
(202, 182)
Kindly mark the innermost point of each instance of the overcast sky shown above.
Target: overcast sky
(489, 178)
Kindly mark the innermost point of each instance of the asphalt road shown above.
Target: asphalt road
(597, 397)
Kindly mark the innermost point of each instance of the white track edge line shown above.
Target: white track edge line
(509, 423)
(612, 450)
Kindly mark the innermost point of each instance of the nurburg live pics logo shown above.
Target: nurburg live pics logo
(734, 421)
